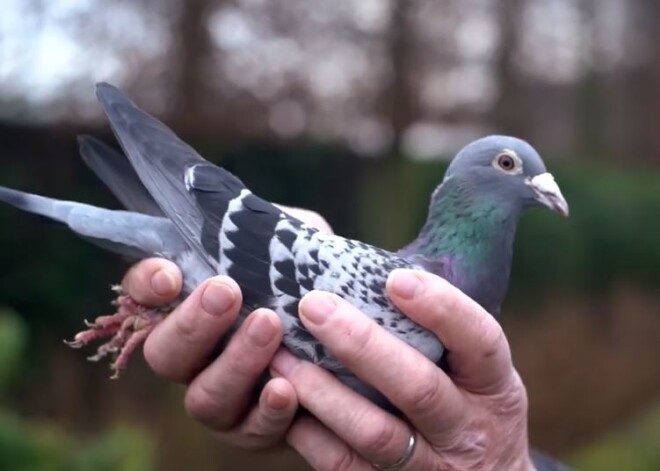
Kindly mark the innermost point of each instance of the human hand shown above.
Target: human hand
(219, 390)
(474, 418)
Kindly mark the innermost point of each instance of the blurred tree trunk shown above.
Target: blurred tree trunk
(592, 102)
(385, 183)
(508, 115)
(653, 81)
(192, 54)
(400, 97)
(642, 84)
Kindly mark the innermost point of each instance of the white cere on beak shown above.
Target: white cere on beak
(547, 192)
(545, 183)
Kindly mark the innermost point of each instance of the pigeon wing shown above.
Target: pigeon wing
(277, 259)
(116, 172)
(160, 159)
(238, 228)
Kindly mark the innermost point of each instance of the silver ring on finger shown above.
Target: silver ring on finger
(401, 462)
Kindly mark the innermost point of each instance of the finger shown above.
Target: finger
(220, 395)
(180, 346)
(373, 433)
(269, 421)
(479, 355)
(322, 449)
(153, 282)
(421, 390)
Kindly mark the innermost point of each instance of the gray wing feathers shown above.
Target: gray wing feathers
(160, 159)
(116, 172)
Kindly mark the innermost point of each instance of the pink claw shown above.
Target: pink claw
(127, 329)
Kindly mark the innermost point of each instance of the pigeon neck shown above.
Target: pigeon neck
(470, 237)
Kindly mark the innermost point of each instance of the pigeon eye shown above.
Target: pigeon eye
(506, 162)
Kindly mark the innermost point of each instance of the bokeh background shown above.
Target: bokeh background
(351, 108)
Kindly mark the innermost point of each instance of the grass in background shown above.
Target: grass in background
(634, 448)
(27, 445)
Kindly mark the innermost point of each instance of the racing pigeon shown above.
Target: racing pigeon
(183, 208)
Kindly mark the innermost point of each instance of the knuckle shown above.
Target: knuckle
(251, 443)
(241, 439)
(203, 405)
(254, 439)
(267, 424)
(426, 394)
(267, 428)
(274, 420)
(491, 336)
(186, 331)
(513, 402)
(240, 363)
(377, 440)
(345, 460)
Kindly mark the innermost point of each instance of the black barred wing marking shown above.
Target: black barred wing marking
(237, 230)
(276, 260)
(244, 238)
(351, 269)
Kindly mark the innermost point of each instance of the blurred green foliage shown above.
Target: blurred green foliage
(612, 233)
(633, 449)
(26, 445)
(13, 339)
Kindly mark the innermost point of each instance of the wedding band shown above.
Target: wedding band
(401, 462)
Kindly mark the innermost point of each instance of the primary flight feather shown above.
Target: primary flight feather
(185, 209)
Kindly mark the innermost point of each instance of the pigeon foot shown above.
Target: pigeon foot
(127, 328)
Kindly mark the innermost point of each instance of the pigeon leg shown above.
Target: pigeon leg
(126, 329)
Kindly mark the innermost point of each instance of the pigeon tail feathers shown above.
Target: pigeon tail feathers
(160, 159)
(50, 208)
(113, 169)
(126, 233)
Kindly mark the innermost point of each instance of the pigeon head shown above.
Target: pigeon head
(509, 171)
(473, 215)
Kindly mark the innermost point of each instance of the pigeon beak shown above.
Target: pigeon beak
(547, 192)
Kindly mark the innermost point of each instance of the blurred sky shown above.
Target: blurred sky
(52, 52)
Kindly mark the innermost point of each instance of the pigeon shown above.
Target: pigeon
(188, 210)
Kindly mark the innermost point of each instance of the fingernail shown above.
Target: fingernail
(283, 363)
(163, 282)
(276, 400)
(405, 284)
(261, 329)
(317, 307)
(217, 298)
